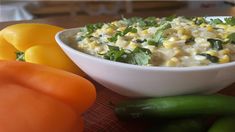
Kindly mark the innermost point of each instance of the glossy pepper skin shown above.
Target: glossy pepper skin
(37, 45)
(35, 98)
(23, 36)
(7, 51)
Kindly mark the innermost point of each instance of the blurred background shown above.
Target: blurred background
(11, 10)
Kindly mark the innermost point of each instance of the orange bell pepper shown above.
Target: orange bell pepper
(48, 99)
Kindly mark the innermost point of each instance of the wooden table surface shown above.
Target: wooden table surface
(101, 115)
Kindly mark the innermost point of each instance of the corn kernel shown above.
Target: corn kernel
(184, 37)
(222, 26)
(181, 31)
(131, 34)
(212, 52)
(178, 52)
(209, 28)
(172, 62)
(121, 28)
(224, 59)
(132, 45)
(224, 51)
(203, 25)
(144, 32)
(114, 23)
(93, 44)
(109, 31)
(231, 29)
(168, 44)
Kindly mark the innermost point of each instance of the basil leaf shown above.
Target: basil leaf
(211, 58)
(216, 44)
(231, 38)
(230, 21)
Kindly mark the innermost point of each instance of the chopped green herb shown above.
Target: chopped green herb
(211, 58)
(80, 38)
(159, 35)
(231, 38)
(115, 54)
(216, 44)
(139, 56)
(165, 26)
(140, 41)
(114, 37)
(157, 40)
(129, 29)
(170, 18)
(190, 40)
(216, 21)
(132, 20)
(199, 20)
(20, 56)
(119, 33)
(150, 22)
(152, 42)
(230, 21)
(92, 27)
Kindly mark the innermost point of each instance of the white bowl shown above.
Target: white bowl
(142, 81)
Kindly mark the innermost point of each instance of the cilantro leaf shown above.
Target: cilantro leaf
(92, 27)
(216, 21)
(119, 33)
(211, 58)
(231, 38)
(114, 37)
(115, 54)
(199, 20)
(132, 20)
(170, 18)
(159, 35)
(129, 29)
(139, 56)
(216, 44)
(150, 22)
(165, 26)
(230, 21)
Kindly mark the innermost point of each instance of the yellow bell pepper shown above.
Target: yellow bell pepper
(7, 51)
(50, 55)
(23, 36)
(35, 43)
